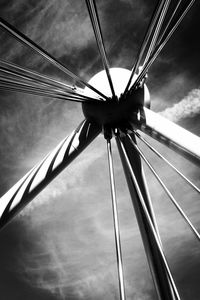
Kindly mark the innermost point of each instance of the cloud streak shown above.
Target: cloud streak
(186, 108)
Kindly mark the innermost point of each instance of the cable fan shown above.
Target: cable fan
(116, 104)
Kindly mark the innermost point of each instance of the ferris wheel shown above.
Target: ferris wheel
(115, 103)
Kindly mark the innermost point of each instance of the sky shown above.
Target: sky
(61, 246)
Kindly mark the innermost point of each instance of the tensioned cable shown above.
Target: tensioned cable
(18, 75)
(157, 30)
(15, 81)
(15, 77)
(93, 13)
(37, 76)
(169, 22)
(29, 84)
(161, 46)
(42, 78)
(35, 85)
(165, 160)
(197, 235)
(36, 90)
(116, 223)
(149, 220)
(147, 36)
(28, 42)
(39, 92)
(24, 78)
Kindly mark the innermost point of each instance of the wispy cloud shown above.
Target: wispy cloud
(186, 108)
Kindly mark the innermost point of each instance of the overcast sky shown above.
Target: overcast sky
(62, 245)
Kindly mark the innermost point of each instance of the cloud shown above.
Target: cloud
(186, 108)
(60, 27)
